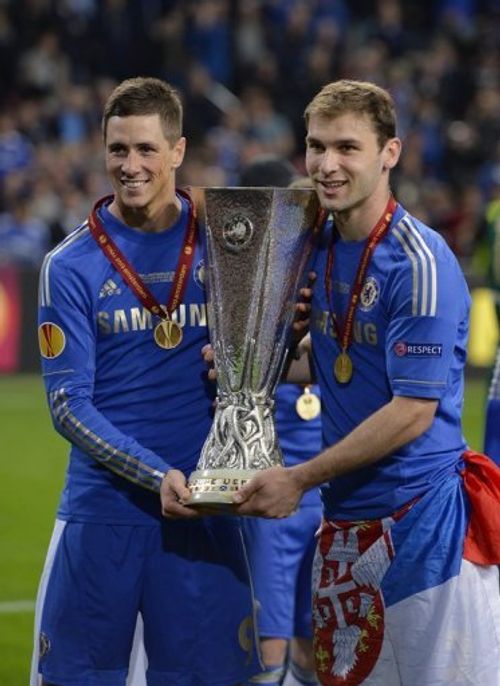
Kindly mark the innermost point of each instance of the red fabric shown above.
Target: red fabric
(482, 484)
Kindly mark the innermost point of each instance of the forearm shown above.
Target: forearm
(79, 421)
(394, 425)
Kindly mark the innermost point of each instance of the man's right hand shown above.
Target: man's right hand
(272, 493)
(174, 493)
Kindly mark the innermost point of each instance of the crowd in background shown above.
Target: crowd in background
(246, 69)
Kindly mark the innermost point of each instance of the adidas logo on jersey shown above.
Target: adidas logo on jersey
(109, 288)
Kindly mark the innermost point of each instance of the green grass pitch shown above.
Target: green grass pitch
(31, 476)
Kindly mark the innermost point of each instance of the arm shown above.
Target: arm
(67, 332)
(77, 419)
(399, 422)
(277, 491)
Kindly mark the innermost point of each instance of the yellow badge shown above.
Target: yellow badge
(308, 405)
(168, 334)
(51, 340)
(343, 368)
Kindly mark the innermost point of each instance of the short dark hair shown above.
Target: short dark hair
(146, 95)
(268, 170)
(360, 97)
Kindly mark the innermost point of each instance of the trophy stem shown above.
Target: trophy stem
(243, 439)
(243, 434)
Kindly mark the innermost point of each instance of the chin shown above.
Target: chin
(133, 202)
(331, 205)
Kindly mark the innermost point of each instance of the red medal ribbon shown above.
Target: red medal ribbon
(344, 334)
(125, 269)
(321, 217)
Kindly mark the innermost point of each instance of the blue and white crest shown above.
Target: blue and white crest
(369, 294)
(199, 274)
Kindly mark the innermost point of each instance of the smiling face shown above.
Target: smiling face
(348, 167)
(141, 165)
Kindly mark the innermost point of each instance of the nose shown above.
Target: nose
(130, 164)
(329, 162)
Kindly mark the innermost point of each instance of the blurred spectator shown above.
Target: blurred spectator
(8, 50)
(227, 142)
(16, 151)
(24, 239)
(73, 119)
(267, 127)
(246, 70)
(201, 112)
(44, 68)
(209, 37)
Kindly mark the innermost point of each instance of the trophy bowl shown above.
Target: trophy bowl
(258, 242)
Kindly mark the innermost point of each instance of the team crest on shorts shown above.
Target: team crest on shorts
(43, 644)
(200, 274)
(369, 294)
(51, 339)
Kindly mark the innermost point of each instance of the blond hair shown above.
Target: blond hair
(360, 97)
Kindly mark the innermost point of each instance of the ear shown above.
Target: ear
(391, 153)
(178, 152)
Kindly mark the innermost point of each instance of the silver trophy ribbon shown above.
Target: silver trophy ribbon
(258, 241)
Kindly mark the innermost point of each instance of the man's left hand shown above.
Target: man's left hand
(303, 308)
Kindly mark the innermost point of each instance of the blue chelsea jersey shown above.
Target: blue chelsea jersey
(130, 408)
(299, 440)
(410, 337)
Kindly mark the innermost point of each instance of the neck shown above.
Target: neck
(356, 223)
(148, 219)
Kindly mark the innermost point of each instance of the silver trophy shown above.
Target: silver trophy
(258, 241)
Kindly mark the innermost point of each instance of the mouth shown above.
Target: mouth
(330, 186)
(132, 185)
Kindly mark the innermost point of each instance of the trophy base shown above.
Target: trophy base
(214, 488)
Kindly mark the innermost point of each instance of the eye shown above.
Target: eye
(117, 150)
(314, 145)
(347, 147)
(147, 149)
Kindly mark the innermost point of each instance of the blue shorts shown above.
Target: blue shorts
(189, 581)
(281, 553)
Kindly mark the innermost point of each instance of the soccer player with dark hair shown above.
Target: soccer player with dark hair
(405, 583)
(122, 320)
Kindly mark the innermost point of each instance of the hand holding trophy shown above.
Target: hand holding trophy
(258, 243)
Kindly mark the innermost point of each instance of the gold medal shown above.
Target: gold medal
(308, 405)
(343, 368)
(168, 334)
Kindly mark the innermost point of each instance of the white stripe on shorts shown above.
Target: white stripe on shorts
(35, 676)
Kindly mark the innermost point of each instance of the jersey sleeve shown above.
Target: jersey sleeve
(67, 339)
(427, 331)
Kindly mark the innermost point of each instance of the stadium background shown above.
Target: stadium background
(245, 70)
